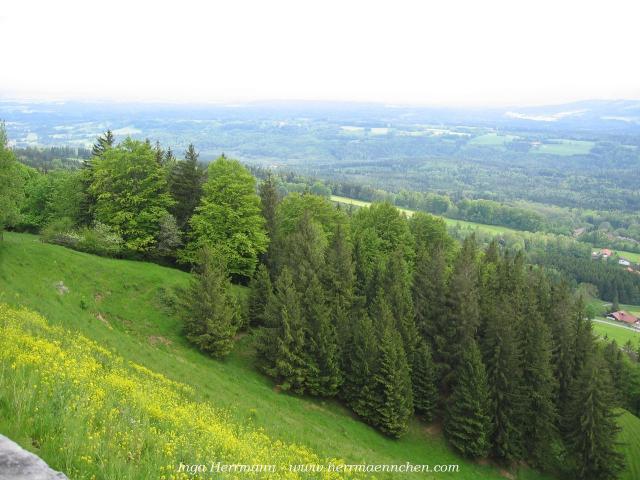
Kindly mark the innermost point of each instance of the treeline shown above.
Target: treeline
(46, 159)
(613, 228)
(569, 258)
(611, 281)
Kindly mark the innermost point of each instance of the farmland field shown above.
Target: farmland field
(451, 222)
(564, 147)
(617, 332)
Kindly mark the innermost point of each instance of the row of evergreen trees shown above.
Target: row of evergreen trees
(391, 316)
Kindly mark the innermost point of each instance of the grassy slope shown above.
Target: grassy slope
(127, 296)
(630, 437)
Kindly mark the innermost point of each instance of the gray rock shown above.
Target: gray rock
(18, 464)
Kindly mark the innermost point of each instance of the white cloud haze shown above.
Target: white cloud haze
(453, 52)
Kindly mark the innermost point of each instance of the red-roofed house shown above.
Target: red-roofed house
(622, 316)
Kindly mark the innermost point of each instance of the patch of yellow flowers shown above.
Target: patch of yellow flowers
(95, 415)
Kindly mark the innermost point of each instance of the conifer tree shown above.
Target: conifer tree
(423, 379)
(169, 158)
(462, 309)
(260, 291)
(209, 309)
(467, 422)
(339, 278)
(391, 385)
(269, 202)
(159, 153)
(396, 283)
(362, 360)
(613, 358)
(537, 391)
(185, 184)
(562, 343)
(503, 380)
(429, 293)
(304, 250)
(324, 376)
(592, 437)
(502, 361)
(282, 342)
(104, 142)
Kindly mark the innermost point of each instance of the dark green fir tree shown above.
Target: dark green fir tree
(467, 422)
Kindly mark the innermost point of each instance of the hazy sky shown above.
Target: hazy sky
(445, 52)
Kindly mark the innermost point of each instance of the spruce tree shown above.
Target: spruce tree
(324, 376)
(104, 142)
(362, 360)
(592, 428)
(185, 184)
(269, 202)
(169, 158)
(159, 153)
(396, 283)
(538, 389)
(339, 278)
(209, 309)
(462, 310)
(429, 291)
(562, 344)
(423, 379)
(260, 291)
(503, 380)
(281, 347)
(391, 385)
(502, 362)
(467, 422)
(304, 250)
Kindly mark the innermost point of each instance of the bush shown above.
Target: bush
(61, 232)
(100, 239)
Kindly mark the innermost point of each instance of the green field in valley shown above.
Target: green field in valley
(616, 331)
(124, 306)
(631, 256)
(492, 139)
(564, 147)
(451, 222)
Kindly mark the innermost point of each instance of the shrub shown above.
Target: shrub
(101, 240)
(61, 232)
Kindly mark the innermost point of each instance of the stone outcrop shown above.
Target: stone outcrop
(18, 464)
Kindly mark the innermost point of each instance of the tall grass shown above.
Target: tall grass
(91, 414)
